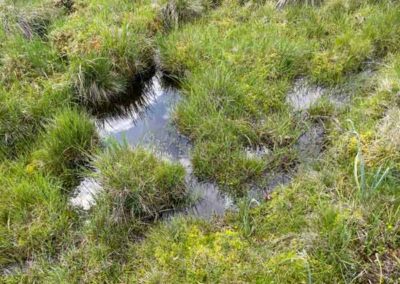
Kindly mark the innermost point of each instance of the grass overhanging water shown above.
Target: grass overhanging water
(236, 62)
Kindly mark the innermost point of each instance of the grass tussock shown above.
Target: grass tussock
(138, 184)
(65, 146)
(105, 48)
(237, 62)
(24, 109)
(97, 84)
(29, 19)
(175, 13)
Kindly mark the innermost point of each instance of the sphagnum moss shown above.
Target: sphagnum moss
(237, 61)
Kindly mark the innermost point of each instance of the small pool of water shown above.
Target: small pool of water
(304, 95)
(147, 121)
(150, 123)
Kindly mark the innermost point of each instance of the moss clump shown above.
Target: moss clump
(221, 256)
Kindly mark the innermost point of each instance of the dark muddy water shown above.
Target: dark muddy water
(146, 120)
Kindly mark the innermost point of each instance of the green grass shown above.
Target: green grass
(28, 59)
(32, 86)
(239, 69)
(26, 54)
(105, 47)
(65, 145)
(236, 62)
(25, 108)
(35, 218)
(138, 184)
(175, 13)
(137, 189)
(231, 95)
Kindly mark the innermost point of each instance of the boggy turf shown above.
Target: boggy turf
(236, 63)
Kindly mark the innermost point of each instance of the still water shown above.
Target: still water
(146, 119)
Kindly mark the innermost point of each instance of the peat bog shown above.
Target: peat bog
(201, 141)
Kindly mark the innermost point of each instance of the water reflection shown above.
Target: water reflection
(144, 118)
(148, 122)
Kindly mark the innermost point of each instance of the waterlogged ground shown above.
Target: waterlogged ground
(276, 161)
(146, 121)
(149, 124)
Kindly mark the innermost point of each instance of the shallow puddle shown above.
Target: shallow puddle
(147, 122)
(274, 181)
(304, 95)
(311, 143)
(210, 201)
(86, 192)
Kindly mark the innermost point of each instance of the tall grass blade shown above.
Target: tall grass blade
(377, 183)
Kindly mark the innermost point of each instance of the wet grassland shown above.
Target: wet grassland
(282, 127)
